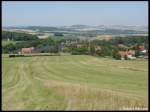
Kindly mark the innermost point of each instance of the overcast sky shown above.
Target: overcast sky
(57, 13)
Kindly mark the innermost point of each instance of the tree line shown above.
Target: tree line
(73, 46)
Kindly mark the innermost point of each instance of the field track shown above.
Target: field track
(73, 83)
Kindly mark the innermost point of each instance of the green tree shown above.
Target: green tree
(115, 54)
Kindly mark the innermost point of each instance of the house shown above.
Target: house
(98, 48)
(130, 54)
(79, 45)
(127, 54)
(143, 53)
(27, 50)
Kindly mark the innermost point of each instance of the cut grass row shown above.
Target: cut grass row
(73, 83)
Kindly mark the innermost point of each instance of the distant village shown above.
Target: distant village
(120, 48)
(123, 52)
(130, 52)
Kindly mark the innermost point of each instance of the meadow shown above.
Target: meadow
(75, 82)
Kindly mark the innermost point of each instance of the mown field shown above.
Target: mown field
(73, 83)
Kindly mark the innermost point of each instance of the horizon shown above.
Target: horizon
(58, 13)
(73, 25)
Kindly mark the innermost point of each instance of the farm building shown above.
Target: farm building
(27, 50)
(132, 53)
(143, 53)
(125, 52)
(128, 54)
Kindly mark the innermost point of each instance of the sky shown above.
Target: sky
(66, 13)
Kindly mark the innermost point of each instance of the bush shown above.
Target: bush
(79, 51)
(115, 54)
(9, 48)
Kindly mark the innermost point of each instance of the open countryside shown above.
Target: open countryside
(74, 56)
(73, 83)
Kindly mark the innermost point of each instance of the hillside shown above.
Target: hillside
(72, 83)
(81, 29)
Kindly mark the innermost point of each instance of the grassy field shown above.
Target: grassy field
(73, 83)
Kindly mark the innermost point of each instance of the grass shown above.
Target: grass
(73, 83)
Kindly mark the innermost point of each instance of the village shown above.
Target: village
(130, 53)
(123, 52)
(63, 56)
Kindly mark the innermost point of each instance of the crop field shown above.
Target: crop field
(73, 83)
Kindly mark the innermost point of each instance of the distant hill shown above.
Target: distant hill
(101, 29)
(80, 26)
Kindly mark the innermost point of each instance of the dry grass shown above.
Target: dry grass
(73, 83)
(79, 97)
